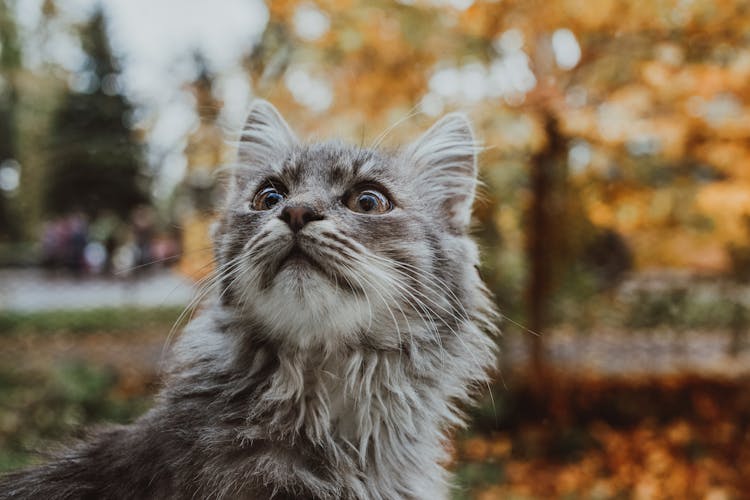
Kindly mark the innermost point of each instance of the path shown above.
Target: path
(38, 290)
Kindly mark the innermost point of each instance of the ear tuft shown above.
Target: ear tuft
(445, 160)
(266, 136)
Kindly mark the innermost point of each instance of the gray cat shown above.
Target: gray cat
(347, 327)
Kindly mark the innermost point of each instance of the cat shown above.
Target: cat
(348, 327)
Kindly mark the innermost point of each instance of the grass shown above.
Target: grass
(41, 404)
(39, 408)
(87, 320)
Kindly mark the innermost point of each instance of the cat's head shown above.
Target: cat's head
(331, 244)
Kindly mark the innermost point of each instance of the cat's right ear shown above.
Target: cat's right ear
(266, 137)
(445, 159)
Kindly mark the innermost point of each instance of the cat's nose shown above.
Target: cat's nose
(297, 217)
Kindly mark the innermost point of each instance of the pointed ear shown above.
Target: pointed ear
(265, 137)
(445, 159)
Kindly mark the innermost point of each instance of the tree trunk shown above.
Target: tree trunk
(544, 242)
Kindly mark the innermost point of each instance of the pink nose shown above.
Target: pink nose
(297, 217)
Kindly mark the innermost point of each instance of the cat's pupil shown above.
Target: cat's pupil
(367, 202)
(272, 199)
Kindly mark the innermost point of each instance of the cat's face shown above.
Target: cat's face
(329, 244)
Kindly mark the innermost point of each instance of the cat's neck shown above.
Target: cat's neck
(377, 409)
(347, 381)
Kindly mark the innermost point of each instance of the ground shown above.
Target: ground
(591, 433)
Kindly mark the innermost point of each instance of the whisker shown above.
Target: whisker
(414, 111)
(165, 259)
(452, 314)
(204, 287)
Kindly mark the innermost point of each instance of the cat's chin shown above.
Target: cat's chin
(305, 307)
(297, 277)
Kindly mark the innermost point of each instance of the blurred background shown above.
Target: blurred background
(615, 216)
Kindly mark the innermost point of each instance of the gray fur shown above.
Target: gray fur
(327, 382)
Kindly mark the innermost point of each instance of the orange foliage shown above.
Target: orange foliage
(662, 84)
(701, 455)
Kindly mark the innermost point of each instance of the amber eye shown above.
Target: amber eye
(369, 201)
(267, 198)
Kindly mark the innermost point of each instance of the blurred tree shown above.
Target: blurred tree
(96, 164)
(546, 238)
(653, 98)
(739, 255)
(196, 195)
(647, 166)
(37, 95)
(10, 61)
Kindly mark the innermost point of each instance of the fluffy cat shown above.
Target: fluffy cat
(348, 325)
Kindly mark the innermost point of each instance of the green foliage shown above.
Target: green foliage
(474, 475)
(10, 47)
(680, 309)
(39, 407)
(85, 320)
(10, 58)
(14, 254)
(739, 256)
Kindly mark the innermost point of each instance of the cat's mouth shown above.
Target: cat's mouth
(301, 262)
(298, 257)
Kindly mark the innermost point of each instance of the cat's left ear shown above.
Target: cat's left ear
(446, 161)
(264, 142)
(266, 136)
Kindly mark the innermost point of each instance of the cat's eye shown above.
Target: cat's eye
(267, 198)
(368, 201)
